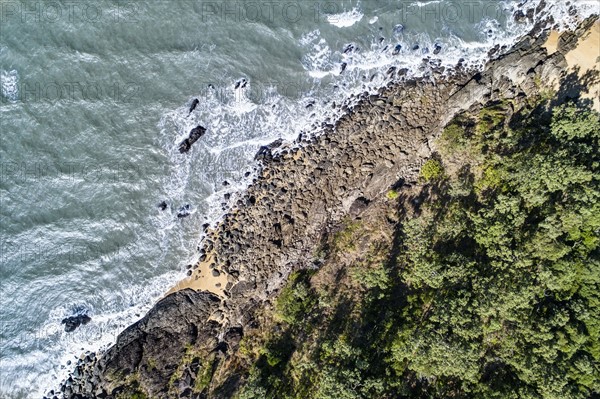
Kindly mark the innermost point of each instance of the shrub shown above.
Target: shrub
(432, 170)
(392, 195)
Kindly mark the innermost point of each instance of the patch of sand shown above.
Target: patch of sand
(203, 279)
(585, 56)
(551, 44)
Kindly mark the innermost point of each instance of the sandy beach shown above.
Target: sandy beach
(583, 59)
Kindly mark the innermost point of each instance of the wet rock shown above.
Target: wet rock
(529, 14)
(195, 103)
(241, 84)
(437, 48)
(184, 211)
(194, 136)
(265, 153)
(163, 206)
(233, 337)
(349, 48)
(397, 49)
(519, 16)
(71, 323)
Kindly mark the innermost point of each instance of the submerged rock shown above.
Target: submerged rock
(398, 29)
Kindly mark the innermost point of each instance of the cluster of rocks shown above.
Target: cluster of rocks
(303, 191)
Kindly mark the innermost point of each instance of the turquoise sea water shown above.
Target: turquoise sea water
(95, 99)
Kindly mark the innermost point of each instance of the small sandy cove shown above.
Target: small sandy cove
(583, 58)
(204, 278)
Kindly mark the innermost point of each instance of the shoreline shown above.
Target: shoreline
(240, 289)
(582, 59)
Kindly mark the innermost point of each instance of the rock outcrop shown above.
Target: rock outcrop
(304, 189)
(71, 323)
(194, 136)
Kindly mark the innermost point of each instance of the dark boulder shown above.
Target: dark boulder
(241, 83)
(163, 205)
(71, 323)
(519, 16)
(349, 48)
(358, 206)
(265, 152)
(184, 211)
(194, 105)
(194, 135)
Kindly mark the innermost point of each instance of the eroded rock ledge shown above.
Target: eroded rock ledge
(300, 195)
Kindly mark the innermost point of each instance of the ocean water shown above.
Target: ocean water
(94, 101)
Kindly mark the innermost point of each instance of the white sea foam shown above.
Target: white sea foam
(345, 19)
(9, 84)
(426, 3)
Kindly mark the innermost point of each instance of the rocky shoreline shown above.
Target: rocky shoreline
(304, 190)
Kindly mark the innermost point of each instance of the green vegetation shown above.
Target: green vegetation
(134, 392)
(343, 239)
(432, 170)
(489, 118)
(490, 289)
(392, 195)
(295, 300)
